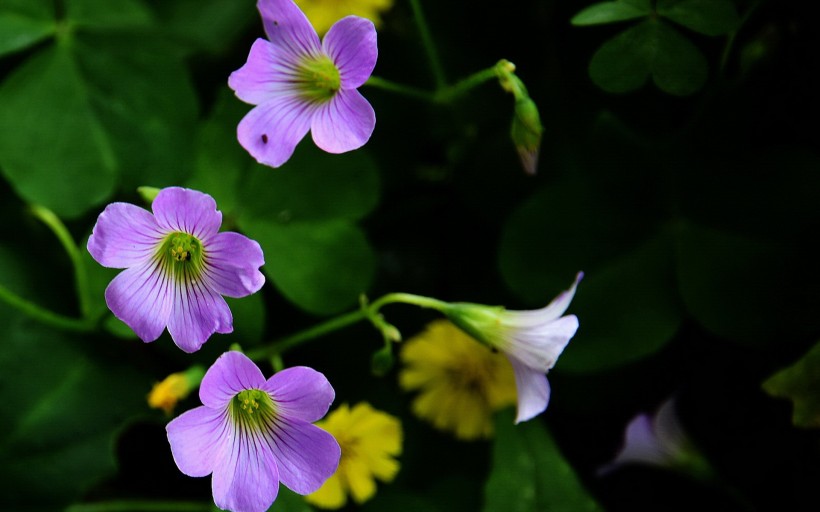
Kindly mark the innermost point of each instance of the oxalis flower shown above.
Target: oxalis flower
(460, 382)
(178, 266)
(299, 84)
(252, 433)
(531, 340)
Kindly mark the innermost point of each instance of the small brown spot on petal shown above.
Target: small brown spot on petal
(264, 139)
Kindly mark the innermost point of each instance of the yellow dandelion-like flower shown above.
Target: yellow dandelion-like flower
(166, 394)
(370, 440)
(460, 381)
(324, 13)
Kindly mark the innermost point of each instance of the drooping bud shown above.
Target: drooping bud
(526, 133)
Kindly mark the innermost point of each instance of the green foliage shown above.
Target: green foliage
(800, 383)
(68, 162)
(126, 110)
(23, 23)
(750, 274)
(710, 17)
(61, 409)
(650, 49)
(611, 12)
(529, 473)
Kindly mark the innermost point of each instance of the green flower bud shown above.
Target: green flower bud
(526, 133)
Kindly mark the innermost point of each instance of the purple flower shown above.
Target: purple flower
(531, 340)
(661, 441)
(252, 433)
(178, 266)
(299, 84)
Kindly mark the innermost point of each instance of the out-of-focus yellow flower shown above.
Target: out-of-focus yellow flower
(324, 13)
(175, 387)
(370, 440)
(460, 381)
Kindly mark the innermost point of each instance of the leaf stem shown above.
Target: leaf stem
(429, 47)
(45, 316)
(404, 90)
(80, 277)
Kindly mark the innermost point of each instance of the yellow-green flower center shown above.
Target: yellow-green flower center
(252, 408)
(318, 78)
(182, 255)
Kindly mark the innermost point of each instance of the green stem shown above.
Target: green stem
(448, 94)
(43, 315)
(284, 344)
(80, 277)
(404, 90)
(368, 312)
(140, 505)
(732, 36)
(407, 298)
(429, 47)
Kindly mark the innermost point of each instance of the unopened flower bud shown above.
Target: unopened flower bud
(526, 133)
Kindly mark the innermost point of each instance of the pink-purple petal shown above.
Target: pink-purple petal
(301, 392)
(196, 438)
(197, 313)
(233, 262)
(307, 455)
(187, 211)
(271, 131)
(532, 389)
(287, 28)
(351, 44)
(263, 76)
(246, 477)
(230, 374)
(344, 123)
(124, 235)
(142, 297)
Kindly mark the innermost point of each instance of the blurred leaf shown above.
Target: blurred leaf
(107, 14)
(611, 12)
(210, 25)
(61, 409)
(710, 17)
(248, 319)
(800, 383)
(314, 185)
(24, 22)
(627, 309)
(529, 474)
(558, 231)
(53, 147)
(651, 48)
(144, 98)
(322, 267)
(221, 162)
(745, 289)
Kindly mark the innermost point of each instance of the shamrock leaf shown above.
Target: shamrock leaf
(800, 383)
(650, 49)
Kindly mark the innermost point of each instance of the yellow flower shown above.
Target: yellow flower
(175, 387)
(461, 381)
(370, 440)
(324, 13)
